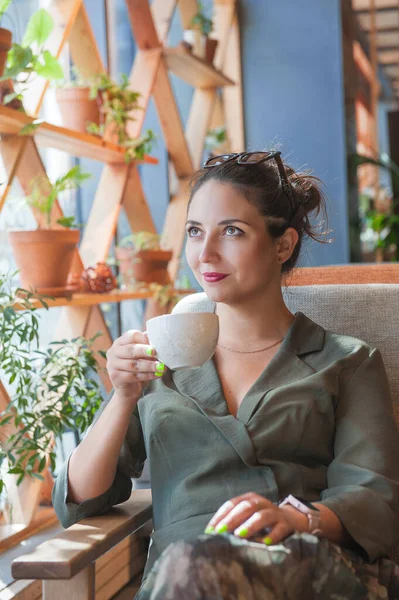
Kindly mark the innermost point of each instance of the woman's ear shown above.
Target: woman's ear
(286, 244)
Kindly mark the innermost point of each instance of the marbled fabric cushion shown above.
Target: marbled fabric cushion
(366, 311)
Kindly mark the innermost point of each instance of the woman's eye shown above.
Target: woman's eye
(231, 230)
(193, 231)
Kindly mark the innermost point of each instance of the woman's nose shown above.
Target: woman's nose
(208, 251)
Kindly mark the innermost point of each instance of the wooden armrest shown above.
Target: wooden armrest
(72, 550)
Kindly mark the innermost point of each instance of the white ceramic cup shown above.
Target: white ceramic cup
(184, 340)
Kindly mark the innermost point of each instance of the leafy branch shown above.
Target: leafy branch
(53, 389)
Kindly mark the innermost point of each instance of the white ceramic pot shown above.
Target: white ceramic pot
(184, 340)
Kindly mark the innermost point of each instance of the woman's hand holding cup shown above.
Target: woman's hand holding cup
(131, 363)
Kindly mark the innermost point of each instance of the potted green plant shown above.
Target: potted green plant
(215, 138)
(5, 36)
(197, 35)
(165, 297)
(77, 106)
(117, 103)
(52, 389)
(385, 225)
(30, 58)
(141, 258)
(44, 256)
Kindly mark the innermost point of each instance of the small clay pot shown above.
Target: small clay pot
(144, 265)
(77, 109)
(44, 257)
(5, 46)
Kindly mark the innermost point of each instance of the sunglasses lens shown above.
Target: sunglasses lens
(254, 157)
(218, 160)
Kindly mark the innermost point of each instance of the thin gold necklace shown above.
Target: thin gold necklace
(251, 351)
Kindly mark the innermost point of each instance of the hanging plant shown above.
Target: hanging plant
(117, 103)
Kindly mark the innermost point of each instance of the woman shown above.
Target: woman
(284, 412)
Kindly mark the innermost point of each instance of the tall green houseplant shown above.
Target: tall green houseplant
(52, 389)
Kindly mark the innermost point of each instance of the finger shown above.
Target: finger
(220, 514)
(236, 516)
(260, 519)
(133, 351)
(133, 336)
(279, 532)
(140, 366)
(255, 499)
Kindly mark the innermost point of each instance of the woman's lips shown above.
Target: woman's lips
(213, 277)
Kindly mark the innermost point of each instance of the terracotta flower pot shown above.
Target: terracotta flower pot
(5, 45)
(143, 265)
(210, 49)
(77, 109)
(44, 257)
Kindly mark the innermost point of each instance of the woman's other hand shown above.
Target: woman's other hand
(131, 362)
(248, 515)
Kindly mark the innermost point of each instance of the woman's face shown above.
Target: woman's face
(228, 248)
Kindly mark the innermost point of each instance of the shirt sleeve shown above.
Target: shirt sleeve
(363, 478)
(130, 464)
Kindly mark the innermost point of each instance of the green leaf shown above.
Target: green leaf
(66, 221)
(10, 97)
(4, 4)
(30, 128)
(49, 67)
(42, 464)
(39, 27)
(18, 58)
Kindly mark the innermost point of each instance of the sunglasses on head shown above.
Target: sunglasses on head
(254, 158)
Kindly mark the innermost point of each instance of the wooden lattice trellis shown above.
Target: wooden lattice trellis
(217, 101)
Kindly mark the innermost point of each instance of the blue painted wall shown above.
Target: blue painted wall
(293, 98)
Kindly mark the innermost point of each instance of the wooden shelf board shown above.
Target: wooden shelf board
(88, 299)
(195, 71)
(67, 140)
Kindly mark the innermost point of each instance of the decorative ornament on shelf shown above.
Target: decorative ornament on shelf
(98, 279)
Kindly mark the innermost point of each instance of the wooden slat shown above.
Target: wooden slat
(232, 96)
(219, 120)
(72, 550)
(198, 122)
(223, 18)
(129, 557)
(89, 299)
(83, 47)
(67, 140)
(81, 587)
(172, 127)
(122, 577)
(345, 274)
(96, 324)
(22, 590)
(380, 4)
(142, 24)
(135, 205)
(187, 9)
(193, 70)
(173, 231)
(162, 13)
(388, 57)
(104, 214)
(142, 78)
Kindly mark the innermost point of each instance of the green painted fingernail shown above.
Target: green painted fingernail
(160, 367)
(222, 528)
(242, 532)
(149, 351)
(158, 373)
(209, 529)
(268, 541)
